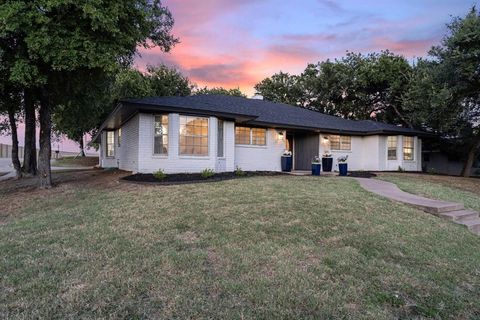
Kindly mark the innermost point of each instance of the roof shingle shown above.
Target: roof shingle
(271, 113)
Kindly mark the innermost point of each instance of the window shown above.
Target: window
(392, 148)
(408, 148)
(220, 139)
(338, 142)
(119, 138)
(242, 135)
(110, 144)
(160, 143)
(259, 136)
(253, 136)
(193, 136)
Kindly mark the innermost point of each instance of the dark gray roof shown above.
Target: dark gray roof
(252, 112)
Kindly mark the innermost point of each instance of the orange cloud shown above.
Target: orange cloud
(218, 48)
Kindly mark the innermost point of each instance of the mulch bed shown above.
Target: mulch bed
(184, 178)
(361, 174)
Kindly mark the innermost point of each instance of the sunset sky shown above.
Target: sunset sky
(237, 43)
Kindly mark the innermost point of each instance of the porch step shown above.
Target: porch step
(459, 215)
(441, 207)
(473, 225)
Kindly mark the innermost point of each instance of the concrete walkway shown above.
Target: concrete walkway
(449, 210)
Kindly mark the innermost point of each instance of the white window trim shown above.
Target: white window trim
(255, 146)
(119, 137)
(224, 145)
(192, 156)
(340, 143)
(251, 138)
(106, 145)
(396, 149)
(161, 155)
(341, 151)
(413, 150)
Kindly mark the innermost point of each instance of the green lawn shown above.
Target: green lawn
(263, 247)
(445, 188)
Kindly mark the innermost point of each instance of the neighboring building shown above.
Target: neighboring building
(190, 134)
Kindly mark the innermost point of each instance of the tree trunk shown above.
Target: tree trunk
(30, 152)
(13, 129)
(82, 147)
(44, 170)
(467, 168)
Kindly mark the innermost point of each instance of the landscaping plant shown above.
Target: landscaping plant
(159, 174)
(207, 173)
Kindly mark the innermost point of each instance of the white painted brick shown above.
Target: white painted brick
(261, 158)
(136, 151)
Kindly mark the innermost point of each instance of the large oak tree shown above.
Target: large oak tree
(356, 86)
(64, 36)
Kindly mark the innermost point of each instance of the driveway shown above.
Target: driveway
(6, 165)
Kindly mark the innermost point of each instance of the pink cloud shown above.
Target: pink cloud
(218, 48)
(410, 48)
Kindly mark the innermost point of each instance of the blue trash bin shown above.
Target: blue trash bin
(343, 169)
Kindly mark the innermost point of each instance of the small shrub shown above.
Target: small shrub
(239, 172)
(207, 173)
(159, 174)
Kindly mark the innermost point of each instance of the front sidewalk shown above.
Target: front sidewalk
(449, 210)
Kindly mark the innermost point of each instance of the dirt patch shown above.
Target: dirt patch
(76, 162)
(183, 178)
(15, 193)
(80, 178)
(362, 174)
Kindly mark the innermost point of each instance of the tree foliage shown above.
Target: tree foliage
(281, 87)
(444, 92)
(219, 90)
(356, 86)
(81, 102)
(87, 98)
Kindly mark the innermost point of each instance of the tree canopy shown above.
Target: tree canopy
(219, 90)
(57, 38)
(444, 92)
(356, 86)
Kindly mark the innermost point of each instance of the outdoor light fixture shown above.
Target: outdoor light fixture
(279, 134)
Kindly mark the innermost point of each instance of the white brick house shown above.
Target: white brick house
(190, 134)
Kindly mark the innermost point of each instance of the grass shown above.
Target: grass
(76, 162)
(456, 189)
(263, 247)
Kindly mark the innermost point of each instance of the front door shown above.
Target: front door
(306, 148)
